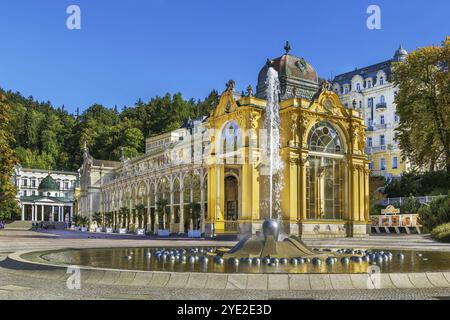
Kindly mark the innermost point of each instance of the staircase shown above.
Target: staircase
(19, 225)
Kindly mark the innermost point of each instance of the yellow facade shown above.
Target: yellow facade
(390, 169)
(298, 118)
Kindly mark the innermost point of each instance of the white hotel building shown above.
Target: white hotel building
(371, 91)
(45, 196)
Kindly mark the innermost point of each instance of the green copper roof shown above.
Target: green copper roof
(48, 184)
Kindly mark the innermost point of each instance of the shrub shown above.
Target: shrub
(410, 206)
(441, 233)
(419, 184)
(437, 213)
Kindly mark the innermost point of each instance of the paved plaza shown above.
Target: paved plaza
(16, 282)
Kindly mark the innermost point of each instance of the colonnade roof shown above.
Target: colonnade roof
(45, 199)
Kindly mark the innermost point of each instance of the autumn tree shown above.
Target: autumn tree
(423, 104)
(8, 205)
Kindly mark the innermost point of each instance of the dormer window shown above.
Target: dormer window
(381, 81)
(369, 83)
(346, 89)
(358, 87)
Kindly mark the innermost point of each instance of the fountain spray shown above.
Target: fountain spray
(272, 125)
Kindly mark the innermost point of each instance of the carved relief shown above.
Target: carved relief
(361, 140)
(294, 128)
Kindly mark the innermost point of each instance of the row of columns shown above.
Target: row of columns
(37, 210)
(110, 207)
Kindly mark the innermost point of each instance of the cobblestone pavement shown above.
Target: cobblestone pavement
(19, 286)
(11, 241)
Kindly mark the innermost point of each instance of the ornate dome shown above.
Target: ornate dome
(400, 54)
(48, 184)
(297, 77)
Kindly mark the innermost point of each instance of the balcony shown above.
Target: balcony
(381, 106)
(370, 150)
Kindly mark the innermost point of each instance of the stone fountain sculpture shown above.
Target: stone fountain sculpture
(270, 246)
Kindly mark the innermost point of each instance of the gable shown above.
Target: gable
(328, 102)
(227, 104)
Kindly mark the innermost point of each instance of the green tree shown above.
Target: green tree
(140, 213)
(8, 204)
(161, 206)
(423, 104)
(97, 217)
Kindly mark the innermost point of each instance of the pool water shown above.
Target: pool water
(138, 259)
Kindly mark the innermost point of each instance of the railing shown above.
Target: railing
(231, 226)
(400, 201)
(370, 150)
(381, 105)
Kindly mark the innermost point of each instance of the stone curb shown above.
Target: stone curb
(276, 282)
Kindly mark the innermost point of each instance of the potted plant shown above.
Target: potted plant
(194, 217)
(162, 208)
(108, 222)
(76, 221)
(140, 213)
(84, 222)
(124, 215)
(97, 217)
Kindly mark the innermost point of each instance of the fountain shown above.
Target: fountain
(269, 246)
(272, 125)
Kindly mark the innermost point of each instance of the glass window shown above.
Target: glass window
(395, 163)
(369, 142)
(381, 81)
(371, 165)
(231, 141)
(24, 182)
(325, 174)
(383, 164)
(358, 87)
(382, 99)
(382, 140)
(324, 138)
(33, 183)
(382, 120)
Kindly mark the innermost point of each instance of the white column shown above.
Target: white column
(172, 211)
(42, 213)
(202, 210)
(52, 218)
(181, 207)
(23, 212)
(71, 213)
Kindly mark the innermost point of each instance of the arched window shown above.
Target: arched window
(381, 81)
(324, 138)
(231, 142)
(231, 137)
(382, 99)
(325, 173)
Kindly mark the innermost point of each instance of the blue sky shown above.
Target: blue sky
(134, 49)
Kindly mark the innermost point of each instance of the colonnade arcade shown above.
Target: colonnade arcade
(46, 212)
(174, 201)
